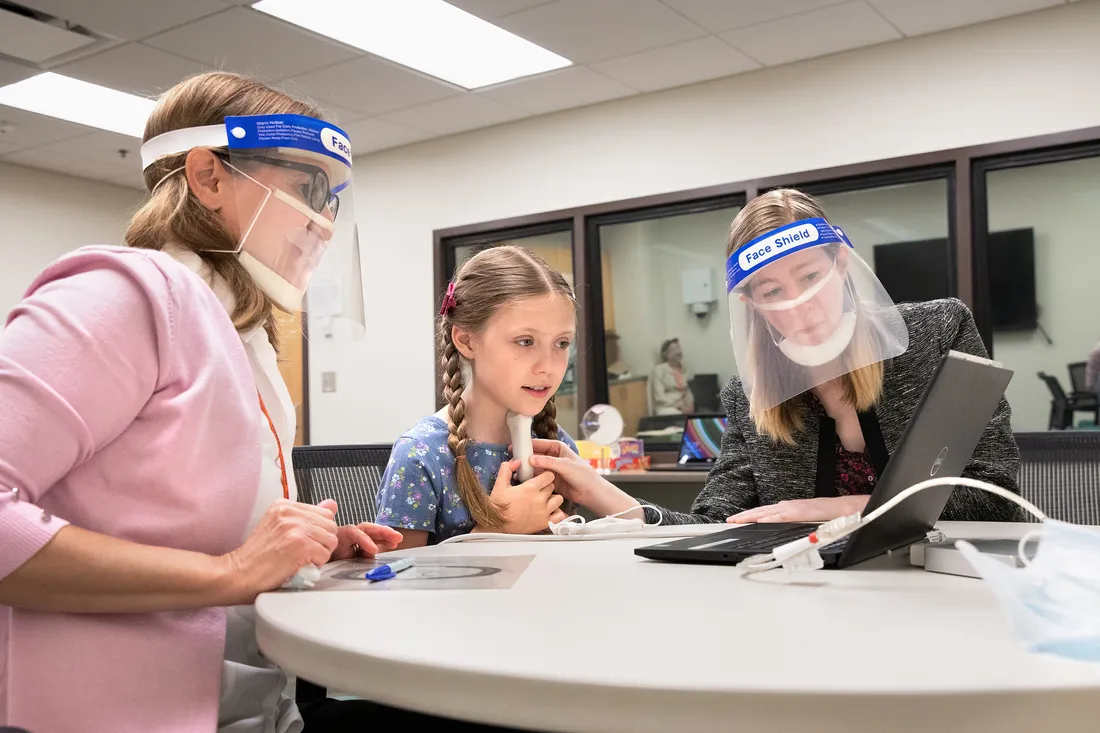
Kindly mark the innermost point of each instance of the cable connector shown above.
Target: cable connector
(804, 561)
(803, 555)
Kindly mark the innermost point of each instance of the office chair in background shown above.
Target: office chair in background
(1084, 399)
(1060, 473)
(707, 392)
(351, 475)
(1061, 416)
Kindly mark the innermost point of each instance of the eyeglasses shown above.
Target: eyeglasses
(316, 192)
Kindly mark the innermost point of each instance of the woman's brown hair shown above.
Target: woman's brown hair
(486, 282)
(172, 213)
(862, 386)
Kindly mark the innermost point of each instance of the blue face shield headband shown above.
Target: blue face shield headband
(781, 242)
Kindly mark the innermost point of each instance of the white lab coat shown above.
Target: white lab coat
(252, 699)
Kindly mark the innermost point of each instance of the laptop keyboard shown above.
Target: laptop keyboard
(770, 540)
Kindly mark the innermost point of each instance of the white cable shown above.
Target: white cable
(959, 481)
(787, 555)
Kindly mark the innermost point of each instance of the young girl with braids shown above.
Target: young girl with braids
(505, 330)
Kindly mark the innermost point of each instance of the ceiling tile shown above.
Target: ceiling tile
(492, 9)
(456, 114)
(679, 64)
(929, 16)
(33, 131)
(332, 112)
(61, 163)
(576, 86)
(798, 37)
(584, 31)
(132, 68)
(11, 72)
(374, 134)
(244, 40)
(101, 147)
(128, 19)
(372, 86)
(726, 15)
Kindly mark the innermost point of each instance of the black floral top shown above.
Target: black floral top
(854, 472)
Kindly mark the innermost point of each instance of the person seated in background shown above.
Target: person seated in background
(668, 382)
(505, 331)
(828, 366)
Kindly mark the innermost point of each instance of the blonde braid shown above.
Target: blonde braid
(482, 509)
(545, 424)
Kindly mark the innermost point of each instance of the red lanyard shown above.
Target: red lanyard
(279, 445)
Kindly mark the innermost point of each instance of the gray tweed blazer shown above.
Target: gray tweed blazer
(753, 470)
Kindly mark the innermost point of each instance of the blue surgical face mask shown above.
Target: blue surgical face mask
(1053, 602)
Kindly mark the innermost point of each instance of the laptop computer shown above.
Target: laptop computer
(701, 442)
(938, 441)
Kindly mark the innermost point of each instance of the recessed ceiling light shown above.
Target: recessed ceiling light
(78, 101)
(427, 35)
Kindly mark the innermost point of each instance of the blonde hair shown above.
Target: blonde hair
(862, 386)
(486, 282)
(172, 213)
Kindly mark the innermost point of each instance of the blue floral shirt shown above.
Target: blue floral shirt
(419, 490)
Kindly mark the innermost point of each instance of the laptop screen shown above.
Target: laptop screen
(702, 439)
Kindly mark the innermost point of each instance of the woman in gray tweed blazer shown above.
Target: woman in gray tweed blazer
(815, 453)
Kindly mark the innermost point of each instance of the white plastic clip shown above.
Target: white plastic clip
(306, 576)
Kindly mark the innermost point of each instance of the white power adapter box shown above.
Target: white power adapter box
(942, 557)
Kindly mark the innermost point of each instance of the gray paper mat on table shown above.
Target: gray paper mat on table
(429, 573)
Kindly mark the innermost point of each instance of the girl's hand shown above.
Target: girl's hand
(577, 481)
(371, 539)
(819, 509)
(529, 507)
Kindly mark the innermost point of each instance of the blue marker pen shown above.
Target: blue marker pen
(385, 572)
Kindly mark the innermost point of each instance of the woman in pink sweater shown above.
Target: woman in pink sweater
(146, 495)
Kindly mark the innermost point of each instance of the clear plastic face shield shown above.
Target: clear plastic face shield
(292, 193)
(804, 310)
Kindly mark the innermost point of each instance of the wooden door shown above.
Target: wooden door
(292, 367)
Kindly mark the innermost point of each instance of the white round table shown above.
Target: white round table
(592, 638)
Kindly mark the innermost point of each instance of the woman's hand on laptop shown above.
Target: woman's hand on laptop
(577, 481)
(820, 509)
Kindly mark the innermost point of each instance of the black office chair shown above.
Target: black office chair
(1077, 376)
(1082, 399)
(350, 474)
(1061, 416)
(707, 392)
(1060, 473)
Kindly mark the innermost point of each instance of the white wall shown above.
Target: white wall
(1023, 76)
(44, 215)
(903, 213)
(1059, 201)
